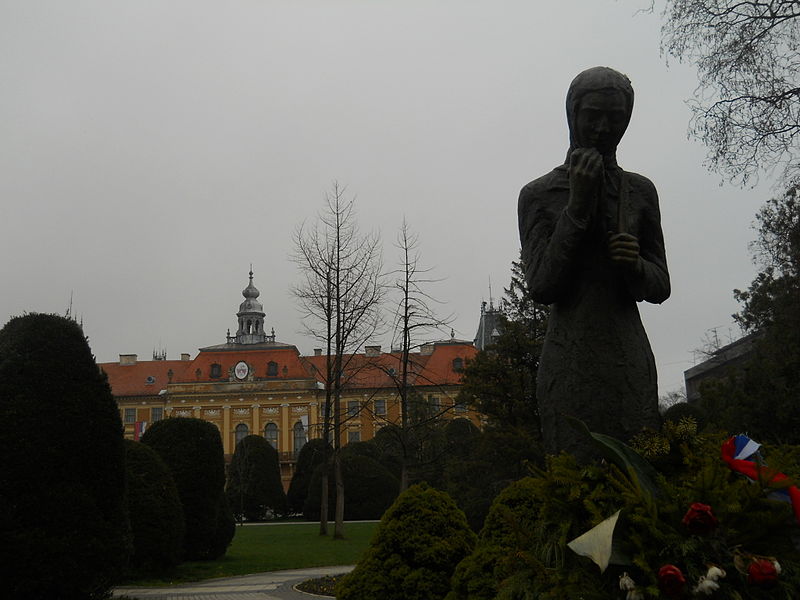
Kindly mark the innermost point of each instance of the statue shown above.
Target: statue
(592, 248)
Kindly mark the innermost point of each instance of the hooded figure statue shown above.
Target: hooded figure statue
(592, 248)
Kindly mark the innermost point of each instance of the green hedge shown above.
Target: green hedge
(419, 541)
(63, 525)
(309, 458)
(192, 449)
(254, 490)
(155, 511)
(369, 489)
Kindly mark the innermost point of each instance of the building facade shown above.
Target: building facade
(252, 384)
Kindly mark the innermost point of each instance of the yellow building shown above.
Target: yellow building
(252, 384)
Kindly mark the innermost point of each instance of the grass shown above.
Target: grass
(259, 548)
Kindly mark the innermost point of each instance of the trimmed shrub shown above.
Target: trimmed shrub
(225, 528)
(309, 458)
(369, 489)
(64, 529)
(419, 541)
(681, 410)
(495, 557)
(254, 489)
(192, 449)
(155, 511)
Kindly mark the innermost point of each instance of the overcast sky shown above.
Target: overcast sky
(151, 150)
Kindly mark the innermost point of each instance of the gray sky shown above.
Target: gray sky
(150, 151)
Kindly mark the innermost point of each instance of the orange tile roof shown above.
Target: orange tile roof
(133, 380)
(287, 357)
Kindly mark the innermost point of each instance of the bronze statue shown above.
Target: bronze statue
(592, 248)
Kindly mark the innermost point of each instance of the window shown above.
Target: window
(352, 408)
(156, 413)
(130, 416)
(435, 403)
(354, 435)
(380, 407)
(216, 370)
(458, 364)
(323, 410)
(241, 432)
(299, 435)
(271, 434)
(150, 380)
(272, 369)
(460, 408)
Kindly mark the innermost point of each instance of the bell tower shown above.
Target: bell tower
(251, 317)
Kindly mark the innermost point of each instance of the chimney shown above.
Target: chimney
(184, 356)
(127, 359)
(426, 349)
(372, 351)
(317, 351)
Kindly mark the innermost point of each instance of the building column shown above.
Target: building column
(256, 410)
(286, 439)
(226, 429)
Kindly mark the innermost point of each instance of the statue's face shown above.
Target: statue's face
(601, 119)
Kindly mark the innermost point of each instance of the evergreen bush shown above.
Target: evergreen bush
(63, 524)
(155, 511)
(192, 449)
(369, 489)
(254, 490)
(415, 548)
(309, 458)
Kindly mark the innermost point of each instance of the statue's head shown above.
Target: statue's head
(599, 106)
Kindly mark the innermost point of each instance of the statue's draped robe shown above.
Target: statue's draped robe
(596, 363)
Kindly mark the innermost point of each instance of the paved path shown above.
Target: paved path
(261, 586)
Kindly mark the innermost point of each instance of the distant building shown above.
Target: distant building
(488, 326)
(731, 356)
(253, 384)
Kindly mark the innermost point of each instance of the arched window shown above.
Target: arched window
(458, 364)
(216, 370)
(271, 434)
(241, 432)
(299, 434)
(272, 369)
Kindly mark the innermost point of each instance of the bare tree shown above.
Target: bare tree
(747, 105)
(340, 294)
(414, 319)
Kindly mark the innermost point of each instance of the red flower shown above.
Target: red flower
(671, 581)
(699, 519)
(762, 572)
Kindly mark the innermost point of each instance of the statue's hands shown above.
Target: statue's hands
(623, 248)
(585, 175)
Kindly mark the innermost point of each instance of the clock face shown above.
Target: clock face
(241, 370)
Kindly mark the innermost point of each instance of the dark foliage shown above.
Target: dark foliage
(254, 490)
(412, 556)
(771, 312)
(369, 488)
(311, 455)
(63, 525)
(155, 511)
(192, 449)
(681, 410)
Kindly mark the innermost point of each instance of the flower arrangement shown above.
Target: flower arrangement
(688, 526)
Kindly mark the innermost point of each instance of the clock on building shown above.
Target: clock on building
(241, 370)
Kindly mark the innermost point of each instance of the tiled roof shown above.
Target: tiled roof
(135, 379)
(286, 357)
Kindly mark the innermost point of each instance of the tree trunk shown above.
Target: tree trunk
(338, 528)
(323, 502)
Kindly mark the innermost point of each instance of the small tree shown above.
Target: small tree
(340, 294)
(254, 489)
(63, 525)
(192, 449)
(419, 541)
(155, 511)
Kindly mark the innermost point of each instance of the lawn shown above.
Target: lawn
(258, 548)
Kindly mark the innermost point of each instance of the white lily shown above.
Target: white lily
(626, 583)
(715, 573)
(706, 586)
(634, 595)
